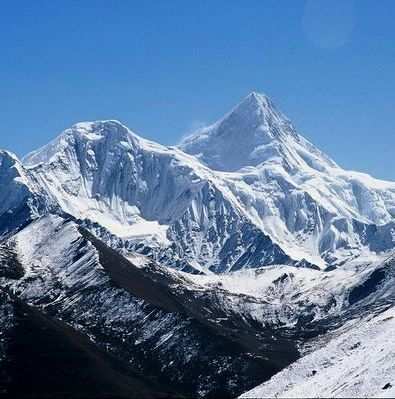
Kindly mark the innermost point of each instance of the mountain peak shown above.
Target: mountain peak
(100, 129)
(107, 133)
(248, 135)
(257, 98)
(255, 104)
(254, 133)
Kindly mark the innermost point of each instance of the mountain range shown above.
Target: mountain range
(242, 256)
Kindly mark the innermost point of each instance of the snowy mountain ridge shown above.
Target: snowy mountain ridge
(250, 166)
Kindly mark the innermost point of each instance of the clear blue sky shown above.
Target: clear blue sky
(164, 67)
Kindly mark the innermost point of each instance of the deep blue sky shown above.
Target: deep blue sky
(165, 67)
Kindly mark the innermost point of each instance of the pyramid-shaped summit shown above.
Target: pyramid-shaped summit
(254, 132)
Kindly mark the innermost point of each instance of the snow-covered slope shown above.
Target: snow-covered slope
(353, 355)
(295, 193)
(359, 362)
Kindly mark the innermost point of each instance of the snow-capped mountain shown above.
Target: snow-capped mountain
(296, 194)
(252, 175)
(284, 264)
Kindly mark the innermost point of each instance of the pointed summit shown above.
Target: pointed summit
(255, 102)
(257, 99)
(252, 133)
(256, 109)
